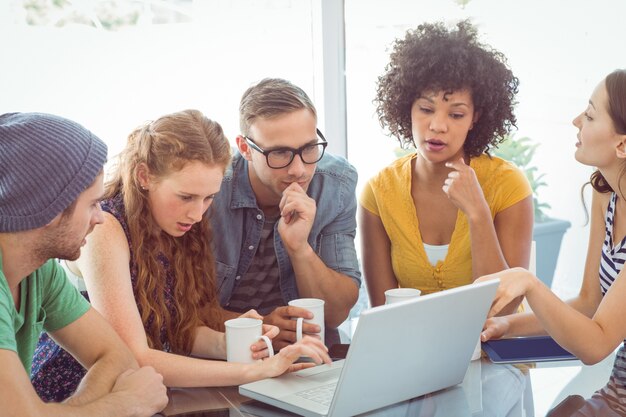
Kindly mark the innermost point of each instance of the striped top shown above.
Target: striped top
(612, 262)
(259, 288)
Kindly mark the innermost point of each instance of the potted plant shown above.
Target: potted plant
(547, 232)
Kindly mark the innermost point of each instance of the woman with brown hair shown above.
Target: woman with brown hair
(591, 325)
(149, 269)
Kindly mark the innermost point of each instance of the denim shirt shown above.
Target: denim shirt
(237, 223)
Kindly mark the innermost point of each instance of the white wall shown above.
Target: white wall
(112, 81)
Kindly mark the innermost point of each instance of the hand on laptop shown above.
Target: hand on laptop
(495, 328)
(284, 360)
(515, 283)
(281, 317)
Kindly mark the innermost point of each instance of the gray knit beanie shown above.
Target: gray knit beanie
(46, 161)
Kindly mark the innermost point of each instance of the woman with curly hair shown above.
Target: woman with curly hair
(449, 212)
(149, 268)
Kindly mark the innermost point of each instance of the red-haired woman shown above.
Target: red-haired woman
(149, 269)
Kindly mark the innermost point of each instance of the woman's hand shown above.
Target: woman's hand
(514, 283)
(495, 328)
(259, 348)
(284, 360)
(463, 189)
(251, 314)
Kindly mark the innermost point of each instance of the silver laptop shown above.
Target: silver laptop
(399, 351)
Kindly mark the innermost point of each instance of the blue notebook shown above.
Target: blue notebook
(526, 349)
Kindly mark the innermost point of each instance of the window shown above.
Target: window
(112, 65)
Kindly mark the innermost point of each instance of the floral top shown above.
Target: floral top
(55, 374)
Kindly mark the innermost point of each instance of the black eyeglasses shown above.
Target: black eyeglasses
(281, 157)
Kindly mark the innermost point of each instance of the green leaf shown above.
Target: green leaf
(520, 152)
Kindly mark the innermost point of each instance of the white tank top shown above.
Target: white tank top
(436, 253)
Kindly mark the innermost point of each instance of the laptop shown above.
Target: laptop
(398, 352)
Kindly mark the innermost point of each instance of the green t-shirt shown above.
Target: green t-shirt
(48, 301)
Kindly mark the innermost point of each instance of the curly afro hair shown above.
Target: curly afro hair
(432, 58)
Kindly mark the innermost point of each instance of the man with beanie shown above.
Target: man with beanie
(51, 181)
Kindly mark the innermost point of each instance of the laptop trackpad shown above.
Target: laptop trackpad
(321, 372)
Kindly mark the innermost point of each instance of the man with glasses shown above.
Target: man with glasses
(284, 220)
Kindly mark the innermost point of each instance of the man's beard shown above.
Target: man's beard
(59, 243)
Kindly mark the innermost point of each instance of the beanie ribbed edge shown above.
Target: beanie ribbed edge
(46, 162)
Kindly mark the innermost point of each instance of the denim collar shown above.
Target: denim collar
(242, 195)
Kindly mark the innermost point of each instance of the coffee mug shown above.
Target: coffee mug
(400, 294)
(315, 306)
(241, 333)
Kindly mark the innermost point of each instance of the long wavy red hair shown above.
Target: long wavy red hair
(165, 146)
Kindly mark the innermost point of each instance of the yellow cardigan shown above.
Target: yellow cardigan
(388, 196)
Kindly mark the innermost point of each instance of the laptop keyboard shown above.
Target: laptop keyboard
(321, 395)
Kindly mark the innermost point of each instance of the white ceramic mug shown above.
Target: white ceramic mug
(315, 306)
(241, 333)
(400, 294)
